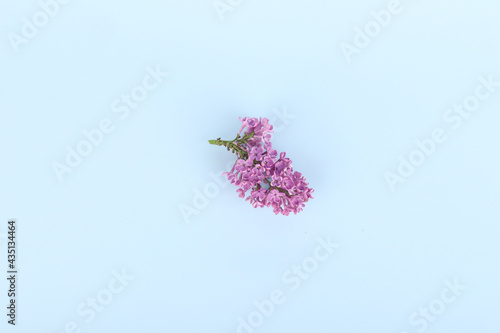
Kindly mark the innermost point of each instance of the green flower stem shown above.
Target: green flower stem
(234, 146)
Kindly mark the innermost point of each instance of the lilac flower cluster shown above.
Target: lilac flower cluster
(271, 180)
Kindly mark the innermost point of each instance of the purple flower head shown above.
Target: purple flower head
(274, 196)
(240, 165)
(288, 183)
(271, 181)
(256, 153)
(259, 194)
(267, 162)
(275, 180)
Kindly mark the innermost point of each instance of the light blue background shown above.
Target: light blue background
(120, 209)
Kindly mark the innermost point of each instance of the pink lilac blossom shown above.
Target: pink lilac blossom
(270, 180)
